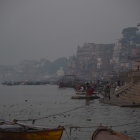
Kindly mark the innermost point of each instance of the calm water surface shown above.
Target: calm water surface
(51, 106)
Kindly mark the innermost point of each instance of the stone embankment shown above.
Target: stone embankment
(127, 95)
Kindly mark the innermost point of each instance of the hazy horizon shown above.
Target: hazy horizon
(35, 29)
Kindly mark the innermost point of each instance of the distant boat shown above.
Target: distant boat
(69, 81)
(105, 133)
(15, 83)
(16, 131)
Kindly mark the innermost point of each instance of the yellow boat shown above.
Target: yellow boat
(16, 131)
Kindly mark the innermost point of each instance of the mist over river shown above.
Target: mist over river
(51, 106)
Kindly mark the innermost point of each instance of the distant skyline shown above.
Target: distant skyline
(35, 29)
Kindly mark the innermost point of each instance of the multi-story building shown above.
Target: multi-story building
(98, 61)
(93, 60)
(135, 58)
(125, 49)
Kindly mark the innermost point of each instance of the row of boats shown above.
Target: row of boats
(15, 83)
(19, 131)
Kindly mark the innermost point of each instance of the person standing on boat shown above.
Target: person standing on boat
(89, 91)
(87, 85)
(82, 88)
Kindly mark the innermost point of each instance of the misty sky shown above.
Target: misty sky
(35, 29)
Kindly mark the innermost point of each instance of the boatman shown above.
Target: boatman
(90, 91)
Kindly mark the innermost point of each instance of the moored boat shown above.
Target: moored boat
(84, 93)
(80, 92)
(105, 133)
(85, 97)
(16, 131)
(69, 81)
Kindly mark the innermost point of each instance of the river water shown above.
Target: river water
(51, 106)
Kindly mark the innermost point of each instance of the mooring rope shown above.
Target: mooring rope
(52, 115)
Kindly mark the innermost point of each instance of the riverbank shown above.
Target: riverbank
(127, 95)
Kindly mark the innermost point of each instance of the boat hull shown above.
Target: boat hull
(85, 97)
(81, 93)
(52, 134)
(104, 133)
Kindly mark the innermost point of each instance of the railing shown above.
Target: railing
(123, 88)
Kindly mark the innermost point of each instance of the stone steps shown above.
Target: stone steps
(124, 88)
(130, 99)
(136, 88)
(131, 96)
(133, 89)
(128, 95)
(133, 92)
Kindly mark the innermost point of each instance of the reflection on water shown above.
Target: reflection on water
(51, 106)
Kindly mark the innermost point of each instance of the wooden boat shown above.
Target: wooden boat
(69, 81)
(83, 92)
(16, 131)
(105, 133)
(80, 92)
(85, 97)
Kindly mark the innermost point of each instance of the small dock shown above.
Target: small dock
(85, 97)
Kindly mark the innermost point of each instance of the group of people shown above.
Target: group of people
(86, 87)
(110, 85)
(90, 87)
